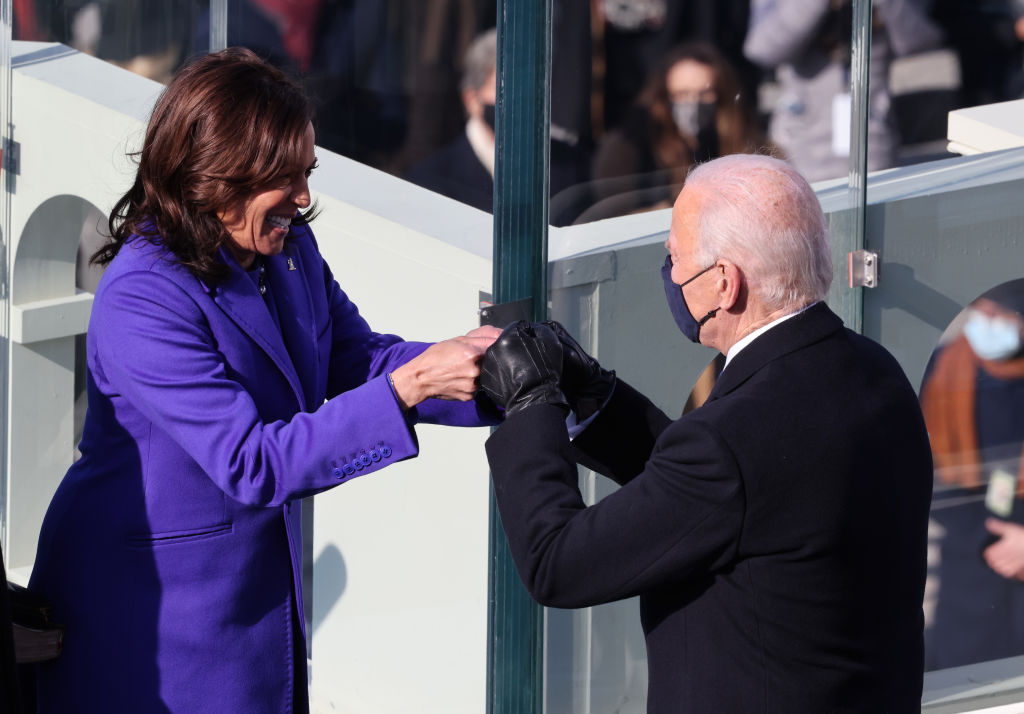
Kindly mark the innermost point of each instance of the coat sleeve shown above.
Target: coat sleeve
(154, 352)
(677, 520)
(621, 438)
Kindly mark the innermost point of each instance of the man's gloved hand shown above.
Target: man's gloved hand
(523, 367)
(586, 385)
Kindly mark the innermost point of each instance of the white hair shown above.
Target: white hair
(481, 59)
(761, 214)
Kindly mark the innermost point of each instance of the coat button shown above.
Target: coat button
(336, 472)
(374, 454)
(365, 459)
(385, 451)
(349, 469)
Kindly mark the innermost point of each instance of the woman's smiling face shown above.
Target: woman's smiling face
(261, 225)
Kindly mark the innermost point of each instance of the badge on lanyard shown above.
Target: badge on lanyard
(1002, 487)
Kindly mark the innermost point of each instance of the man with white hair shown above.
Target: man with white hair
(776, 535)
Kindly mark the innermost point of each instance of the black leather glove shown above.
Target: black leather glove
(523, 367)
(586, 385)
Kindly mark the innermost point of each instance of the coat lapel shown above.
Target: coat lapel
(810, 326)
(290, 292)
(242, 302)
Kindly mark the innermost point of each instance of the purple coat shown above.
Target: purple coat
(171, 549)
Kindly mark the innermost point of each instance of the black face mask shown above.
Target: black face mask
(489, 117)
(687, 323)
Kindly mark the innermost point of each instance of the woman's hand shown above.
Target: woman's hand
(1006, 555)
(446, 370)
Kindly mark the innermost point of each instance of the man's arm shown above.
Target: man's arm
(621, 438)
(678, 519)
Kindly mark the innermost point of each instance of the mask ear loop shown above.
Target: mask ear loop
(711, 313)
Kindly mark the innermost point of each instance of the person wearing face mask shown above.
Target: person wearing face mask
(973, 401)
(464, 170)
(776, 535)
(691, 110)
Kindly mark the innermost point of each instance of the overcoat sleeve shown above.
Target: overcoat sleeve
(621, 438)
(678, 519)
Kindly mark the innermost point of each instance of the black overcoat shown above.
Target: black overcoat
(776, 536)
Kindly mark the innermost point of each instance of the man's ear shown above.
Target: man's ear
(472, 104)
(729, 283)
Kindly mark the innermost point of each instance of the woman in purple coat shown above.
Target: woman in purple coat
(229, 377)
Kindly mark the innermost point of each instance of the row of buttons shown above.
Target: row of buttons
(362, 461)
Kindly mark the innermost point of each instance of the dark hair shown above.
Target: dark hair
(735, 124)
(227, 125)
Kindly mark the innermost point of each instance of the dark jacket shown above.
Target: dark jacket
(776, 536)
(457, 173)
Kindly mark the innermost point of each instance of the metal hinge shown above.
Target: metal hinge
(503, 314)
(863, 269)
(10, 159)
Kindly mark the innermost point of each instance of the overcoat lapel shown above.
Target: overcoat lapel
(241, 301)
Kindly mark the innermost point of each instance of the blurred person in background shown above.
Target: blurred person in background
(973, 402)
(464, 169)
(635, 35)
(989, 41)
(347, 56)
(807, 44)
(148, 38)
(691, 110)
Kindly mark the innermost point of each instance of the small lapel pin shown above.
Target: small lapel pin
(291, 264)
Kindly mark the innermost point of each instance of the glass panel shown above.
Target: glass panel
(389, 81)
(645, 90)
(6, 21)
(149, 38)
(947, 232)
(983, 39)
(973, 400)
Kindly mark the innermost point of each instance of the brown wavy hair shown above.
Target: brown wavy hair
(227, 125)
(735, 124)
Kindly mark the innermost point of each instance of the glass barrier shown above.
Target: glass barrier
(641, 91)
(972, 396)
(148, 38)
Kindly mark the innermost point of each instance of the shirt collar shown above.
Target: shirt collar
(747, 339)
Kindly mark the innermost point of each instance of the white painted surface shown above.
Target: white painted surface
(989, 127)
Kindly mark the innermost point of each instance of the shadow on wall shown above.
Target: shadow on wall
(331, 579)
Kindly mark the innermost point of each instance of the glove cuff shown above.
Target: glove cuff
(547, 393)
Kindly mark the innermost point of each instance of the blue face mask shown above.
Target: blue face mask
(992, 338)
(677, 303)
